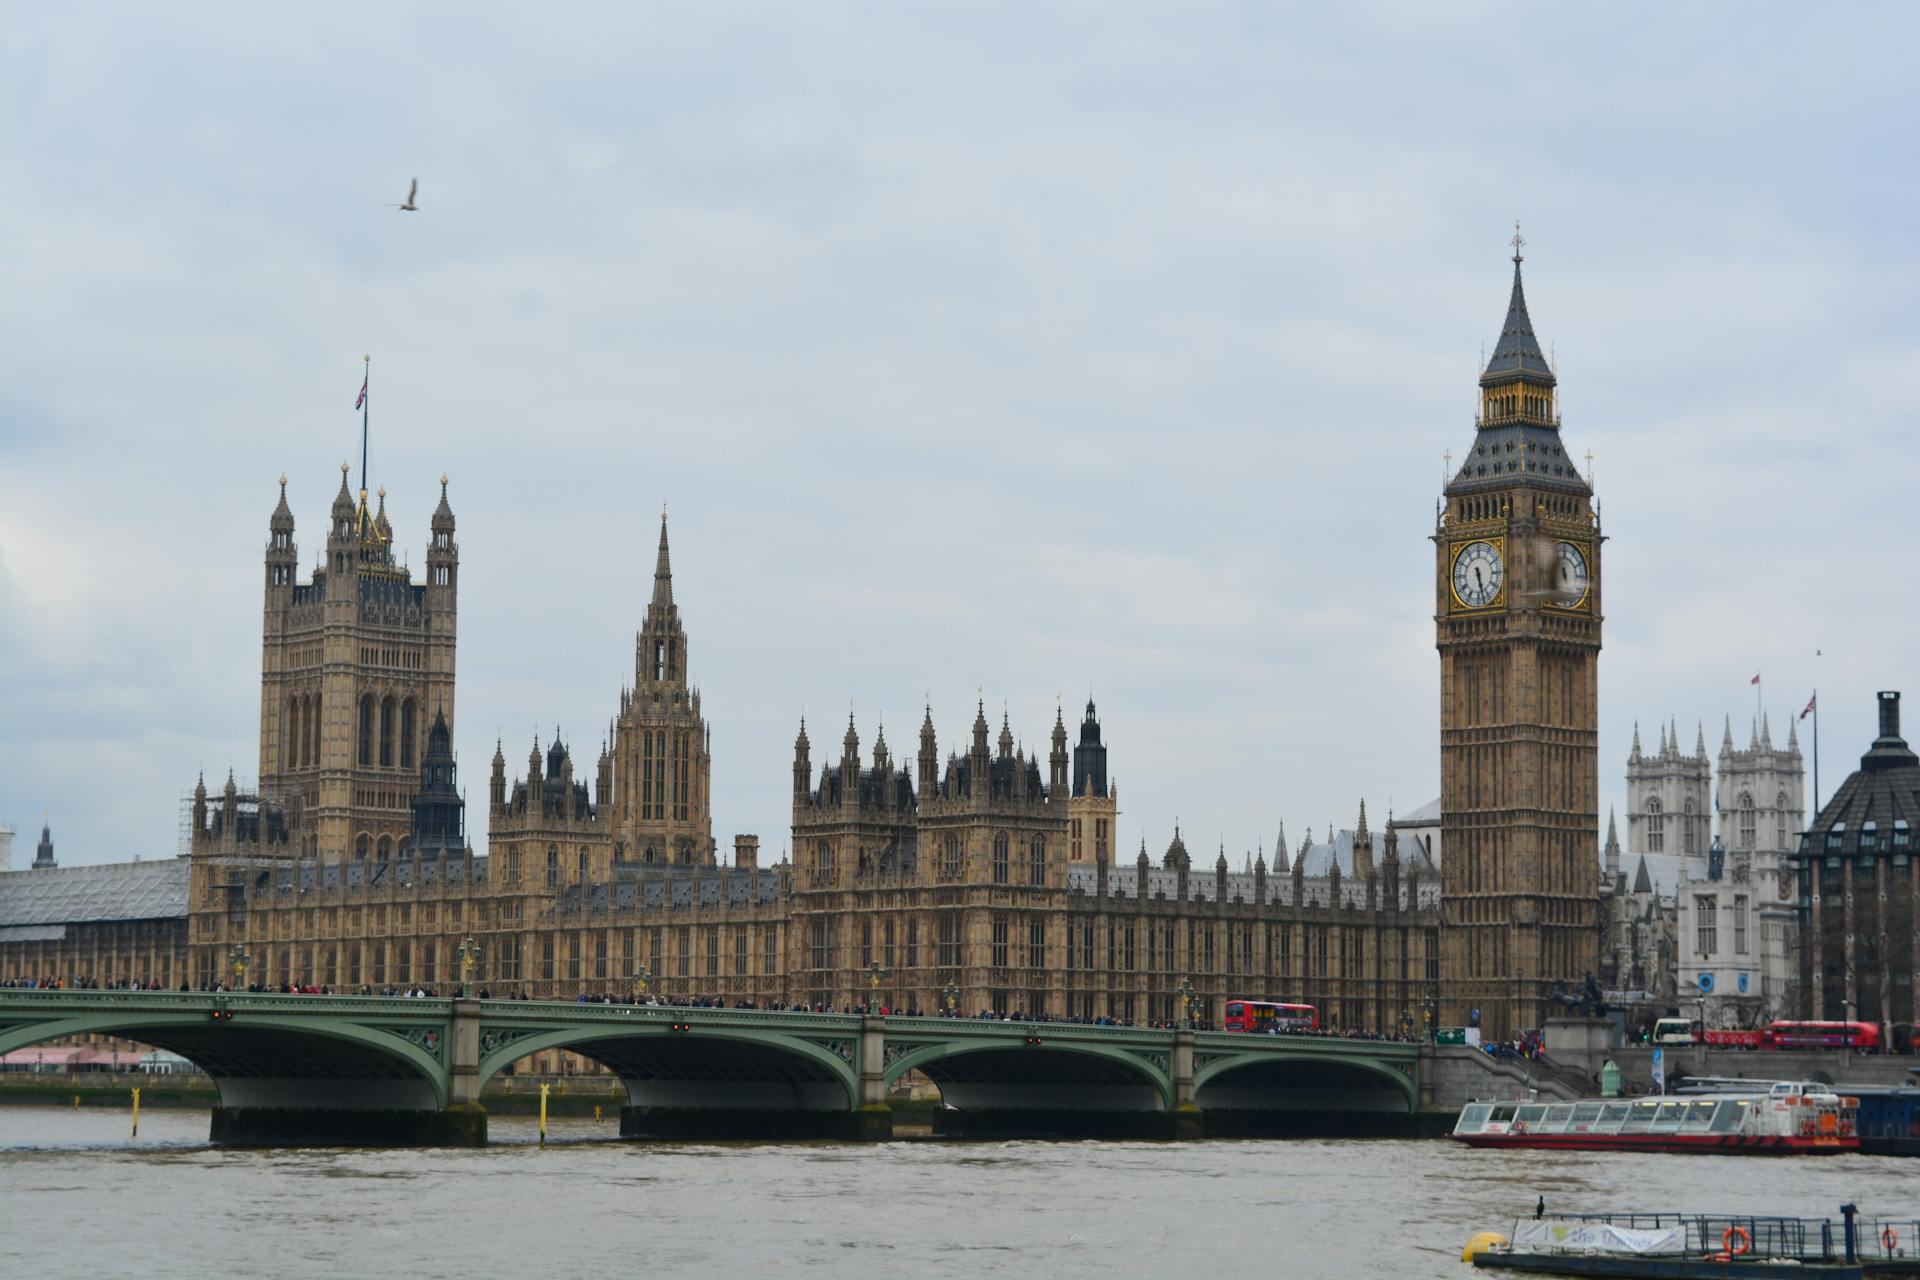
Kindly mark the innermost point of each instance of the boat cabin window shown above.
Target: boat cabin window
(1614, 1112)
(1586, 1113)
(1532, 1115)
(1640, 1117)
(1699, 1113)
(1669, 1117)
(1503, 1115)
(1727, 1117)
(1559, 1115)
(1474, 1115)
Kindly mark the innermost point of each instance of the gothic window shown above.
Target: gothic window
(1656, 827)
(1740, 924)
(1126, 953)
(1037, 861)
(312, 756)
(1036, 943)
(292, 733)
(406, 734)
(1000, 931)
(683, 951)
(886, 954)
(1706, 923)
(1099, 837)
(1687, 828)
(366, 728)
(949, 940)
(770, 958)
(823, 858)
(360, 848)
(913, 942)
(953, 855)
(583, 866)
(1076, 840)
(1746, 820)
(1780, 821)
(866, 943)
(384, 850)
(553, 866)
(713, 951)
(739, 953)
(659, 660)
(386, 733)
(1000, 873)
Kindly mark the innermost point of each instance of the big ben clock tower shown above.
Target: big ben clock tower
(1518, 593)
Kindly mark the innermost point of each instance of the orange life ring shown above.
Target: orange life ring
(1890, 1238)
(1737, 1240)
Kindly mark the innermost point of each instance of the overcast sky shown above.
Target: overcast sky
(1033, 349)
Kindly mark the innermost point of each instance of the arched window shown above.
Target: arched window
(553, 865)
(1656, 827)
(823, 858)
(583, 866)
(291, 733)
(384, 850)
(407, 731)
(1037, 861)
(386, 733)
(360, 848)
(1000, 871)
(953, 855)
(313, 730)
(366, 728)
(1780, 821)
(1686, 828)
(1746, 820)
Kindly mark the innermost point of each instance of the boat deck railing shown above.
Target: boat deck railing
(1804, 1239)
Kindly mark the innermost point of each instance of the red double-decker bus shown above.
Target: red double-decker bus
(1268, 1017)
(1861, 1037)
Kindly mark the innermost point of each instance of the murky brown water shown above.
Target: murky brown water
(78, 1198)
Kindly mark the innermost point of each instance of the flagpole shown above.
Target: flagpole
(366, 405)
(1816, 753)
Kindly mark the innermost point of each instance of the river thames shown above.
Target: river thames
(77, 1197)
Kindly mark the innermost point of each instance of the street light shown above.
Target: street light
(238, 958)
(951, 996)
(640, 978)
(1185, 992)
(469, 953)
(874, 974)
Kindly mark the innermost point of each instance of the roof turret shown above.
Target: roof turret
(282, 519)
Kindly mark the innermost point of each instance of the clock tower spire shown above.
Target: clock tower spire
(1517, 621)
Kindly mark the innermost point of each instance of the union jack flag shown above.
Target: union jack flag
(362, 398)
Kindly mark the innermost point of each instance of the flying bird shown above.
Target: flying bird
(409, 207)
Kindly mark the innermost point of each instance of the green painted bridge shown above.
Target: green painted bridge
(333, 1069)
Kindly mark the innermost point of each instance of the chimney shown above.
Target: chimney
(746, 852)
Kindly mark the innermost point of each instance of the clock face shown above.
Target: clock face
(1477, 574)
(1570, 581)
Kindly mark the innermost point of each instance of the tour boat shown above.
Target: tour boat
(1785, 1119)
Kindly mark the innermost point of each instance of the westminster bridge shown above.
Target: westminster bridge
(297, 1069)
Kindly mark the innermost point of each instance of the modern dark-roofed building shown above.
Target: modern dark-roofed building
(120, 922)
(1859, 890)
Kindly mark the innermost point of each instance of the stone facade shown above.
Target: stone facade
(1517, 583)
(1857, 884)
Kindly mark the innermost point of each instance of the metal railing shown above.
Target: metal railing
(1764, 1236)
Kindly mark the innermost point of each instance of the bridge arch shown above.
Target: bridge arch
(264, 1060)
(1267, 1081)
(1058, 1075)
(702, 1067)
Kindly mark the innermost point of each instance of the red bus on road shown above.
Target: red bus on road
(1267, 1017)
(1861, 1037)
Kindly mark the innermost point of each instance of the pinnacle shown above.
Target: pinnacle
(663, 568)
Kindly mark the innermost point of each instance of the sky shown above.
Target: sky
(1013, 352)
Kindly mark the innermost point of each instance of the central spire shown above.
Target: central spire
(662, 567)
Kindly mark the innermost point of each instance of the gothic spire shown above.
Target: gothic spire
(662, 568)
(1517, 355)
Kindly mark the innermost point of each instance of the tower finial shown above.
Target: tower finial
(1517, 242)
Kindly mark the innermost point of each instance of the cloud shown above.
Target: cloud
(981, 353)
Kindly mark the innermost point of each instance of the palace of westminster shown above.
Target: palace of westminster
(982, 878)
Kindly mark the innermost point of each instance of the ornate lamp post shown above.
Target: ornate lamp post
(1426, 1014)
(469, 953)
(950, 995)
(238, 960)
(1185, 992)
(874, 974)
(640, 978)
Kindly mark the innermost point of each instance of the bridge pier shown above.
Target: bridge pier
(1184, 1119)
